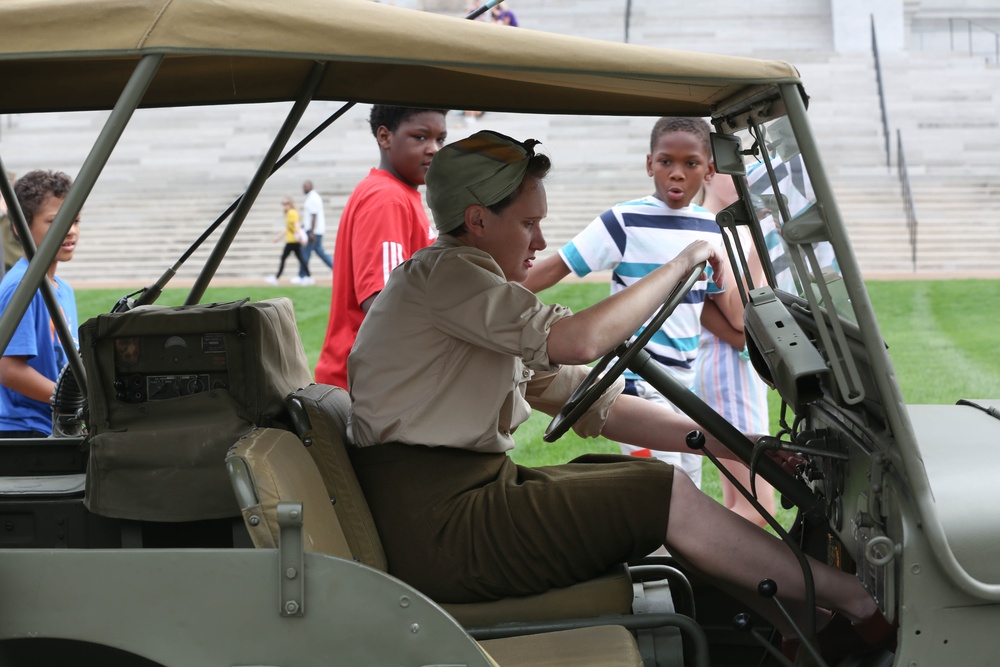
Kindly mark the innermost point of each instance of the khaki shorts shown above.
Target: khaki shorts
(462, 526)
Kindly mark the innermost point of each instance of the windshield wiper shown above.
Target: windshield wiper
(992, 412)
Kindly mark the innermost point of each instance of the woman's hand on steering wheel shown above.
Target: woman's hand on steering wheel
(701, 252)
(598, 380)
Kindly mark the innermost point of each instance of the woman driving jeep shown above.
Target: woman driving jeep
(450, 360)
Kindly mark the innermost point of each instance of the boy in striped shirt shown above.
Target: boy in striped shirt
(635, 237)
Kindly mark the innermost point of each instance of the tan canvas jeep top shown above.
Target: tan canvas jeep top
(62, 55)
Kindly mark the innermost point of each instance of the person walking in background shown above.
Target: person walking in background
(382, 225)
(314, 223)
(502, 15)
(31, 363)
(294, 237)
(724, 377)
(12, 250)
(635, 237)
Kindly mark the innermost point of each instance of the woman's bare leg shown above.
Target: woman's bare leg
(735, 501)
(723, 545)
(766, 608)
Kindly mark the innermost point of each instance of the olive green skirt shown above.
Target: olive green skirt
(462, 526)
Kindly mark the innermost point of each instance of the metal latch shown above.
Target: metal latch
(291, 570)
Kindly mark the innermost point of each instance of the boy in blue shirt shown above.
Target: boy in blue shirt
(635, 237)
(32, 361)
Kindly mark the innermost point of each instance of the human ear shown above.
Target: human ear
(474, 220)
(383, 135)
(649, 164)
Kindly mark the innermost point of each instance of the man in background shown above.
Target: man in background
(314, 223)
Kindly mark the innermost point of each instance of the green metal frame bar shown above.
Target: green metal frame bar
(42, 258)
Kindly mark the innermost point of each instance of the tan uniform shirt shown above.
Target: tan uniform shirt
(453, 355)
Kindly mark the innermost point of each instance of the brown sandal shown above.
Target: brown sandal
(877, 631)
(840, 638)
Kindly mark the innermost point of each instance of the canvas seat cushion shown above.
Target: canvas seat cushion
(608, 594)
(604, 645)
(464, 526)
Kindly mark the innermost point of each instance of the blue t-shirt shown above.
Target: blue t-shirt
(636, 237)
(36, 339)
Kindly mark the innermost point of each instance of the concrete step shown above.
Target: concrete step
(157, 192)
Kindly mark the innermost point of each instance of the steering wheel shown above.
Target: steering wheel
(597, 381)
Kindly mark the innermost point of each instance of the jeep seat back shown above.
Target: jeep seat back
(268, 466)
(319, 415)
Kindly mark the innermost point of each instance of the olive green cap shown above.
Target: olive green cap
(480, 169)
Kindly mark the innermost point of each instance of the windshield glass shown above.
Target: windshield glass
(791, 221)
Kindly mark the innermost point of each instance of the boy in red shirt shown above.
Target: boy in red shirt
(383, 224)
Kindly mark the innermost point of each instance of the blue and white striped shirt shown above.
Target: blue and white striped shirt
(636, 237)
(795, 187)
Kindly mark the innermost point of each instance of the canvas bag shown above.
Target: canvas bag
(170, 389)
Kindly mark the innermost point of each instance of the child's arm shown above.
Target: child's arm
(17, 375)
(596, 330)
(713, 320)
(546, 273)
(729, 302)
(731, 307)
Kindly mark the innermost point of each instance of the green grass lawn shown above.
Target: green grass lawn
(941, 335)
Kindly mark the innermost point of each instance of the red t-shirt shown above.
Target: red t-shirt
(382, 225)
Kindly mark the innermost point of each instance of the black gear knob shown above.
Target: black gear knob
(767, 588)
(743, 622)
(695, 440)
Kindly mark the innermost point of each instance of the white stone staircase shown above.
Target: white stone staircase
(175, 171)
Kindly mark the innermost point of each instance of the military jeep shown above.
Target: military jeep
(196, 506)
